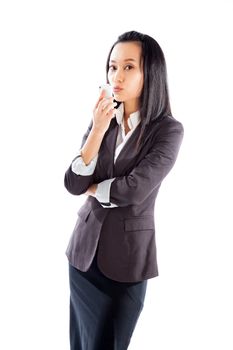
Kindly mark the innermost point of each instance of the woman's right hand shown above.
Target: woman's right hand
(103, 112)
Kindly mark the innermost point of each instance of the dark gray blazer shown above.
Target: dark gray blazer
(125, 235)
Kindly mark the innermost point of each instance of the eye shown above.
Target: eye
(130, 67)
(112, 67)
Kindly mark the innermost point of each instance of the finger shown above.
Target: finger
(101, 96)
(111, 114)
(110, 108)
(105, 102)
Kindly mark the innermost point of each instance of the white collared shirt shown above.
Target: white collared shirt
(80, 168)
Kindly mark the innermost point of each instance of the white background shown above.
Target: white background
(53, 56)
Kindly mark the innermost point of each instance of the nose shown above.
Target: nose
(119, 77)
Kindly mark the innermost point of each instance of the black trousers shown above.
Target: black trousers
(103, 312)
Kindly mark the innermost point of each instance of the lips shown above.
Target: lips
(117, 89)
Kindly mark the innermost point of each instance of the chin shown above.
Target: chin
(118, 98)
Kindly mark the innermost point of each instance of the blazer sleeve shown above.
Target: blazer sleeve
(151, 170)
(78, 184)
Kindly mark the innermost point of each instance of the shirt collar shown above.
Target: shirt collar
(133, 120)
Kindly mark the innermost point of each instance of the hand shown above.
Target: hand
(103, 112)
(91, 190)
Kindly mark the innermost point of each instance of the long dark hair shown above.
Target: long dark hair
(154, 100)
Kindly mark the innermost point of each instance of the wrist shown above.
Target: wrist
(92, 190)
(97, 131)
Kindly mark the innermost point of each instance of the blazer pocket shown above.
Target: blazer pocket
(84, 212)
(139, 224)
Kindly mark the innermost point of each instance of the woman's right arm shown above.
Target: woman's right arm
(79, 175)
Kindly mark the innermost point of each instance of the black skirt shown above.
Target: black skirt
(103, 312)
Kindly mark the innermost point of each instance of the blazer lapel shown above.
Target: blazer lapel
(107, 153)
(111, 136)
(127, 154)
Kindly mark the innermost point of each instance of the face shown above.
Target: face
(126, 73)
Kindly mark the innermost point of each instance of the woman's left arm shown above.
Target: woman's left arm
(149, 172)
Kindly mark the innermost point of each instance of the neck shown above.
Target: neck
(129, 108)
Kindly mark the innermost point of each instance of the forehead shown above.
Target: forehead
(129, 51)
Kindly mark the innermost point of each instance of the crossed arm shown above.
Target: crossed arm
(142, 180)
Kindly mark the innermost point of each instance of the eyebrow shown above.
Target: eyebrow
(127, 59)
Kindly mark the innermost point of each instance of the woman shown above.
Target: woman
(130, 146)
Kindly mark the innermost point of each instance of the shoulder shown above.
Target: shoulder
(165, 127)
(165, 124)
(168, 122)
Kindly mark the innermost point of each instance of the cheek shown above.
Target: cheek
(138, 82)
(109, 76)
(141, 84)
